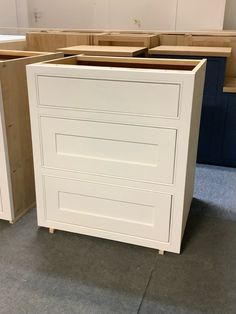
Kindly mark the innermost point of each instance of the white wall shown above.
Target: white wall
(200, 15)
(14, 13)
(180, 15)
(8, 16)
(108, 14)
(230, 15)
(119, 14)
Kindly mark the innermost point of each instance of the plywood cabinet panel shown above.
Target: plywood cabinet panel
(16, 161)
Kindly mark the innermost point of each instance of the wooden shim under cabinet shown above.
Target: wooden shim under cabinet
(17, 123)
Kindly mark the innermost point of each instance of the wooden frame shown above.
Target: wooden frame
(119, 51)
(126, 39)
(52, 40)
(191, 51)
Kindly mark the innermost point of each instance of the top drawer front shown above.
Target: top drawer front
(139, 98)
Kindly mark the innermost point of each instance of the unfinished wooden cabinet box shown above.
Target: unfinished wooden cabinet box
(126, 39)
(17, 192)
(12, 42)
(115, 142)
(52, 40)
(112, 51)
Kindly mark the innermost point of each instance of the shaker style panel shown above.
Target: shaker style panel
(107, 207)
(126, 97)
(113, 157)
(127, 151)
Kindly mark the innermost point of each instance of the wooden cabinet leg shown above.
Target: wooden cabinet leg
(161, 252)
(51, 230)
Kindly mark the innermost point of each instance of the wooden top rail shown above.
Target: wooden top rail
(191, 51)
(230, 85)
(121, 51)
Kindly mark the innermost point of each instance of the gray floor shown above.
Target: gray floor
(69, 273)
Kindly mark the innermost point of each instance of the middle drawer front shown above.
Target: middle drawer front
(111, 208)
(117, 150)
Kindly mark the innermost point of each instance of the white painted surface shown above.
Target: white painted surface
(14, 13)
(115, 14)
(230, 18)
(22, 9)
(129, 152)
(108, 207)
(8, 14)
(200, 15)
(97, 172)
(11, 38)
(76, 93)
(6, 203)
(130, 14)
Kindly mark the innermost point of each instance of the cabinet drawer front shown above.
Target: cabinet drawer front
(111, 208)
(127, 151)
(113, 96)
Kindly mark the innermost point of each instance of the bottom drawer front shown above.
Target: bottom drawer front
(123, 210)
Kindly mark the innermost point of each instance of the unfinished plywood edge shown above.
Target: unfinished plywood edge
(122, 51)
(16, 45)
(22, 53)
(230, 85)
(138, 60)
(18, 217)
(192, 51)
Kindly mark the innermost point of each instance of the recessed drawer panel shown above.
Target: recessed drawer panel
(113, 96)
(116, 209)
(127, 151)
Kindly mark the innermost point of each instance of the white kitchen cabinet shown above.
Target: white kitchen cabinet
(114, 145)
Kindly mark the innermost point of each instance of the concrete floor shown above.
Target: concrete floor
(70, 273)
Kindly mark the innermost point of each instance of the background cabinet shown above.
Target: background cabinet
(17, 192)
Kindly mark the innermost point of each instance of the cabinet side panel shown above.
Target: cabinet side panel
(18, 133)
(6, 206)
(51, 41)
(14, 45)
(193, 142)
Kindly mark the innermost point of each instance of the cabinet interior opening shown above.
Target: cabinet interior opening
(119, 62)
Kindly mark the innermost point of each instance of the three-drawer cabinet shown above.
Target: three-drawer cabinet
(114, 145)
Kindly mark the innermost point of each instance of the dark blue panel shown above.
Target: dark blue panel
(228, 154)
(213, 110)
